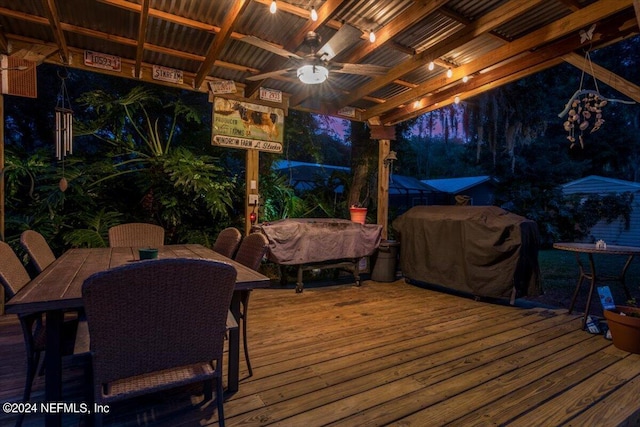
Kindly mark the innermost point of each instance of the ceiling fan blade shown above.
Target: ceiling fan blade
(346, 37)
(255, 41)
(270, 74)
(364, 69)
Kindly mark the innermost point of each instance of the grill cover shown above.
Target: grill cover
(297, 241)
(482, 250)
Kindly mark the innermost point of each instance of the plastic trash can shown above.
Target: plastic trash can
(384, 269)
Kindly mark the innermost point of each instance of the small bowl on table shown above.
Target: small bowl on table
(148, 253)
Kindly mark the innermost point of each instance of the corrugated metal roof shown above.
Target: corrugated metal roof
(180, 33)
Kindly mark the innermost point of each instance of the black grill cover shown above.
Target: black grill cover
(481, 250)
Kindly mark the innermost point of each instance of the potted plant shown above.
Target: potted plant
(358, 213)
(624, 324)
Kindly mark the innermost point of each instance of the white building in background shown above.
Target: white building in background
(615, 232)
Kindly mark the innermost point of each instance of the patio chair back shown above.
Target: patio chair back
(227, 242)
(14, 277)
(157, 325)
(136, 234)
(252, 249)
(250, 253)
(39, 251)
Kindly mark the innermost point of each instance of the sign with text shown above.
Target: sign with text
(102, 60)
(230, 141)
(222, 86)
(242, 124)
(165, 74)
(270, 95)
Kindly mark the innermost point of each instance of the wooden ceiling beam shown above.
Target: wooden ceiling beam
(142, 35)
(562, 27)
(636, 7)
(529, 63)
(220, 40)
(481, 26)
(610, 78)
(4, 43)
(54, 22)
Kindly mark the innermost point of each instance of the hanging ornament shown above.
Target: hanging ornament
(64, 128)
(585, 107)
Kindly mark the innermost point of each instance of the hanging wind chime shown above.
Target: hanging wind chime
(64, 128)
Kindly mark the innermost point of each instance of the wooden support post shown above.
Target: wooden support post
(252, 164)
(383, 185)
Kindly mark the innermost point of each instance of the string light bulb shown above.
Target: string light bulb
(273, 7)
(449, 73)
(314, 14)
(372, 36)
(431, 66)
(465, 79)
(456, 100)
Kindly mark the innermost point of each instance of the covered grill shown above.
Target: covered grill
(311, 243)
(481, 250)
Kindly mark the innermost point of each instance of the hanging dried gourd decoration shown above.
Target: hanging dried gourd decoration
(584, 109)
(64, 128)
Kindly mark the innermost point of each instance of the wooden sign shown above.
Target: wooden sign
(244, 143)
(383, 132)
(242, 124)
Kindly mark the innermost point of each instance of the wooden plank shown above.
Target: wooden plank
(575, 400)
(392, 354)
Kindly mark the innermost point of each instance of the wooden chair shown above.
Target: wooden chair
(228, 241)
(136, 234)
(250, 254)
(39, 251)
(14, 277)
(156, 325)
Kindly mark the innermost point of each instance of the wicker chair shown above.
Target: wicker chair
(14, 277)
(250, 253)
(228, 241)
(38, 249)
(171, 319)
(136, 234)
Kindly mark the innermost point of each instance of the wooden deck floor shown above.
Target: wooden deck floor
(391, 354)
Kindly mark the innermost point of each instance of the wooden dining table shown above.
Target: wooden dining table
(59, 288)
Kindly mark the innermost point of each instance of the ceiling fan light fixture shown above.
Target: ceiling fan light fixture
(273, 6)
(314, 14)
(313, 74)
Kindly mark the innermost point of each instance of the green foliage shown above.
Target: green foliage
(95, 233)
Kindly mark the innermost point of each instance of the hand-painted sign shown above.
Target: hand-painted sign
(247, 125)
(230, 141)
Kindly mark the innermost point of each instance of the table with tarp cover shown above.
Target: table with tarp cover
(480, 250)
(316, 243)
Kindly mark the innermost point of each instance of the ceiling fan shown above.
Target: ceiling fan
(314, 67)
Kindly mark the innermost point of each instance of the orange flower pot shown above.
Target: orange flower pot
(358, 214)
(625, 330)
